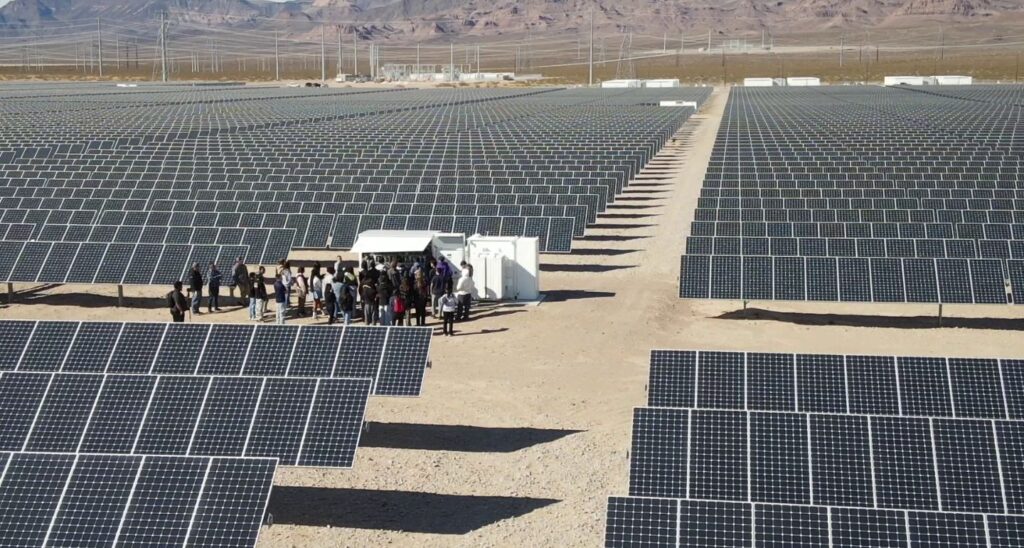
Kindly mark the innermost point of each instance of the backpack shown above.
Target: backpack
(399, 305)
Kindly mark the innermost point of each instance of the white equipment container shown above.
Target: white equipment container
(504, 268)
(620, 84)
(758, 82)
(904, 80)
(691, 104)
(410, 242)
(954, 80)
(803, 81)
(662, 83)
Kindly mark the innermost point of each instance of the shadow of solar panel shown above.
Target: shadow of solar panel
(658, 454)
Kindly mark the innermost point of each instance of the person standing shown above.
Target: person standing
(368, 292)
(260, 291)
(301, 289)
(384, 291)
(437, 290)
(241, 276)
(347, 304)
(330, 303)
(448, 307)
(419, 297)
(318, 292)
(399, 303)
(284, 271)
(196, 287)
(177, 303)
(280, 298)
(338, 288)
(213, 278)
(255, 301)
(464, 292)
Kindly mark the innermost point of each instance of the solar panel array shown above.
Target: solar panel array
(862, 194)
(300, 422)
(766, 449)
(393, 358)
(327, 164)
(105, 500)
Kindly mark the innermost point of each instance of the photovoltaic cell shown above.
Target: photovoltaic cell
(137, 348)
(315, 351)
(641, 522)
(720, 524)
(658, 455)
(778, 458)
(770, 385)
(946, 529)
(977, 390)
(821, 385)
(281, 419)
(787, 526)
(672, 378)
(842, 460)
(62, 417)
(93, 345)
(166, 493)
(904, 468)
(720, 380)
(924, 387)
(234, 499)
(871, 385)
(94, 500)
(227, 416)
(965, 454)
(118, 414)
(20, 394)
(404, 362)
(271, 350)
(718, 455)
(29, 496)
(863, 528)
(13, 337)
(359, 356)
(171, 415)
(335, 421)
(48, 346)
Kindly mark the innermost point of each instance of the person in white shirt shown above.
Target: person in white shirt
(464, 291)
(448, 307)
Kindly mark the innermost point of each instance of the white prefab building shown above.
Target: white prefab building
(803, 81)
(504, 268)
(904, 80)
(663, 83)
(621, 84)
(758, 82)
(953, 80)
(691, 104)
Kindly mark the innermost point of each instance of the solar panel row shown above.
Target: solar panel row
(979, 281)
(394, 358)
(302, 422)
(106, 500)
(99, 263)
(827, 383)
(928, 248)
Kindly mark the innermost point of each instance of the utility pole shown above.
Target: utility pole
(590, 63)
(163, 47)
(277, 59)
(99, 39)
(323, 56)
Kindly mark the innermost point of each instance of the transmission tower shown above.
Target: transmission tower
(624, 69)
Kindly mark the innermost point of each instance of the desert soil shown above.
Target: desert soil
(523, 427)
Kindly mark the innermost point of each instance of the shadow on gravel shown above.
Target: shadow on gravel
(562, 295)
(459, 438)
(584, 267)
(406, 511)
(855, 320)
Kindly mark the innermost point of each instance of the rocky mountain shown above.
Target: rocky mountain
(425, 19)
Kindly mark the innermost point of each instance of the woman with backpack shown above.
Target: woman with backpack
(399, 304)
(330, 304)
(347, 304)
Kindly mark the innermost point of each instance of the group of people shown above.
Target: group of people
(381, 294)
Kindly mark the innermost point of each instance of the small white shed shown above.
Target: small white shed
(388, 243)
(758, 82)
(620, 84)
(662, 83)
(504, 268)
(954, 80)
(904, 80)
(803, 81)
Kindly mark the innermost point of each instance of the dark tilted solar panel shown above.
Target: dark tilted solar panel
(102, 500)
(294, 419)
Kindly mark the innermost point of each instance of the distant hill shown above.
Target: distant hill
(426, 19)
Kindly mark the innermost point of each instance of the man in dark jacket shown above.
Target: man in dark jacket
(240, 273)
(177, 303)
(213, 278)
(384, 291)
(196, 287)
(368, 292)
(437, 288)
(280, 298)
